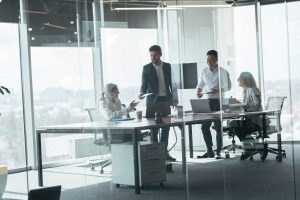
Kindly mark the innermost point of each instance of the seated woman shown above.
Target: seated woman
(251, 103)
(111, 108)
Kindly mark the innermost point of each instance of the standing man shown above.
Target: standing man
(210, 84)
(156, 79)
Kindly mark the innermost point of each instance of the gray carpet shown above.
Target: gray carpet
(230, 179)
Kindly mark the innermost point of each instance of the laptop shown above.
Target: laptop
(163, 107)
(200, 106)
(47, 193)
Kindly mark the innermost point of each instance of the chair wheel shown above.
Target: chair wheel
(278, 158)
(161, 184)
(284, 155)
(227, 155)
(92, 168)
(101, 171)
(117, 185)
(142, 187)
(251, 158)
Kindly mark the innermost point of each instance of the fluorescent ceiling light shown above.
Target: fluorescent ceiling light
(175, 7)
(201, 6)
(147, 8)
(54, 26)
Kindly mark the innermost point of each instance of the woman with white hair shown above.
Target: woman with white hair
(110, 105)
(111, 108)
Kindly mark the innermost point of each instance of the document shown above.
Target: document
(121, 119)
(147, 94)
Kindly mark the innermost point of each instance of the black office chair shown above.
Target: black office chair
(46, 193)
(230, 131)
(275, 104)
(100, 139)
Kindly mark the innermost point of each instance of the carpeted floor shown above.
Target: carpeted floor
(226, 179)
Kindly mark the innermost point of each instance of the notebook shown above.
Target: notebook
(200, 106)
(163, 107)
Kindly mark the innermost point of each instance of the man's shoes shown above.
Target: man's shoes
(245, 155)
(218, 156)
(208, 154)
(170, 158)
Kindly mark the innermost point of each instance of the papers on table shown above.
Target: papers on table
(146, 94)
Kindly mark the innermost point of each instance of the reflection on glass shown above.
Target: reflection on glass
(276, 80)
(63, 87)
(11, 126)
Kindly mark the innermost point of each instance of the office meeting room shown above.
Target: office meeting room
(149, 99)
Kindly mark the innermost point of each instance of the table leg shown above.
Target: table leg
(39, 158)
(183, 149)
(191, 141)
(264, 123)
(136, 161)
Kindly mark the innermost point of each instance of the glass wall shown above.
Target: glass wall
(12, 127)
(57, 56)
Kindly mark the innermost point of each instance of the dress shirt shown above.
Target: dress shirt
(210, 80)
(161, 80)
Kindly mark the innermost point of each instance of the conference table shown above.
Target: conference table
(135, 127)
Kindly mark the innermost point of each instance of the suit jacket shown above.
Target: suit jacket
(150, 82)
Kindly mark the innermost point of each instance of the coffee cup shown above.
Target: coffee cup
(139, 115)
(179, 110)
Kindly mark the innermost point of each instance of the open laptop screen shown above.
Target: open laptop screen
(200, 105)
(163, 107)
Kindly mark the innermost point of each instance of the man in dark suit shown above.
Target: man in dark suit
(156, 79)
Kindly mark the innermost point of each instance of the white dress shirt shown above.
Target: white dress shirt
(161, 80)
(209, 79)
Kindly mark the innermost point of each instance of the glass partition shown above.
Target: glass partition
(62, 55)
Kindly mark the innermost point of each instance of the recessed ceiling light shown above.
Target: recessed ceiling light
(71, 22)
(29, 29)
(69, 41)
(75, 33)
(32, 38)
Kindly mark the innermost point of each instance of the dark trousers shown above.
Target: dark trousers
(244, 127)
(214, 106)
(165, 130)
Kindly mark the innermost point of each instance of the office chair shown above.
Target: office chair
(46, 193)
(230, 131)
(95, 116)
(273, 103)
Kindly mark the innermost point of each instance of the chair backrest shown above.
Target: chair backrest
(276, 103)
(95, 115)
(47, 193)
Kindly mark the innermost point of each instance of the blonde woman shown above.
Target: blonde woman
(111, 108)
(251, 103)
(110, 105)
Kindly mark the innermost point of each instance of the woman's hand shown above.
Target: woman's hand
(132, 106)
(199, 95)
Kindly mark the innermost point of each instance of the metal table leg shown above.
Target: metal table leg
(191, 141)
(39, 158)
(183, 149)
(136, 162)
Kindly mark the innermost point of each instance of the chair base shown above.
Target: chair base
(280, 153)
(102, 165)
(232, 147)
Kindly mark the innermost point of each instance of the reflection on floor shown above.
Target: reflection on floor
(70, 177)
(230, 179)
